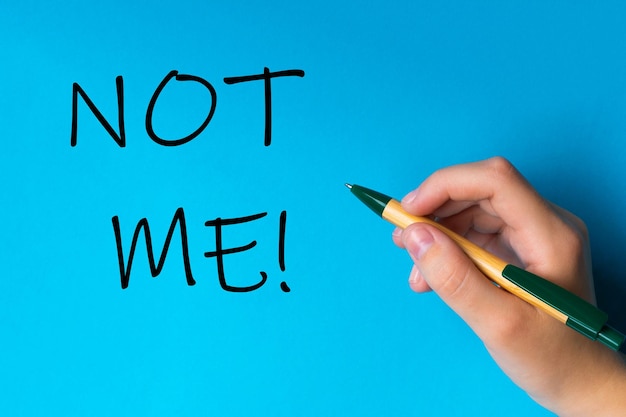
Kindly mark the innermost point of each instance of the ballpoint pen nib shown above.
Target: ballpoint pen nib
(349, 185)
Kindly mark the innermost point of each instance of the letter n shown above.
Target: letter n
(119, 138)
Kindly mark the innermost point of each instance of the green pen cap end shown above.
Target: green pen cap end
(611, 337)
(582, 316)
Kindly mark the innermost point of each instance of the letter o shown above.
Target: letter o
(155, 96)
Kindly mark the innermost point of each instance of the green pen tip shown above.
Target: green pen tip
(349, 185)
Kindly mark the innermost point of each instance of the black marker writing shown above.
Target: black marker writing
(266, 77)
(155, 96)
(120, 138)
(281, 247)
(179, 218)
(219, 252)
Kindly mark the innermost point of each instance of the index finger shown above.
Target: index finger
(530, 224)
(494, 184)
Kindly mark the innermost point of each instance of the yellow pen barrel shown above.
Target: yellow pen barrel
(487, 263)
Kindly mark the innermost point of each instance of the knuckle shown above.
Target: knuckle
(501, 167)
(454, 280)
(573, 241)
(580, 228)
(573, 221)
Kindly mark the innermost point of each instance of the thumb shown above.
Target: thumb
(455, 278)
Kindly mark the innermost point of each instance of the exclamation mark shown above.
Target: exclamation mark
(281, 248)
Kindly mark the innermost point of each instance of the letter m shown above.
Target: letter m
(155, 269)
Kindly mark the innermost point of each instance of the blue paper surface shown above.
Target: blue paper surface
(390, 92)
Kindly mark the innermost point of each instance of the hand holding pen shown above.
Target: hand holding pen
(493, 206)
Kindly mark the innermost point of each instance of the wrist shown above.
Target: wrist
(597, 388)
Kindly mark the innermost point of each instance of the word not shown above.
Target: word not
(120, 138)
(218, 253)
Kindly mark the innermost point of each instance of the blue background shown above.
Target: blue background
(393, 90)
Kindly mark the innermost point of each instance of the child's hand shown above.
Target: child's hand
(491, 204)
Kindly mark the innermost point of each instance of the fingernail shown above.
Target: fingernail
(414, 276)
(410, 197)
(417, 241)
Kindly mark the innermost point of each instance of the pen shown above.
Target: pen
(559, 303)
